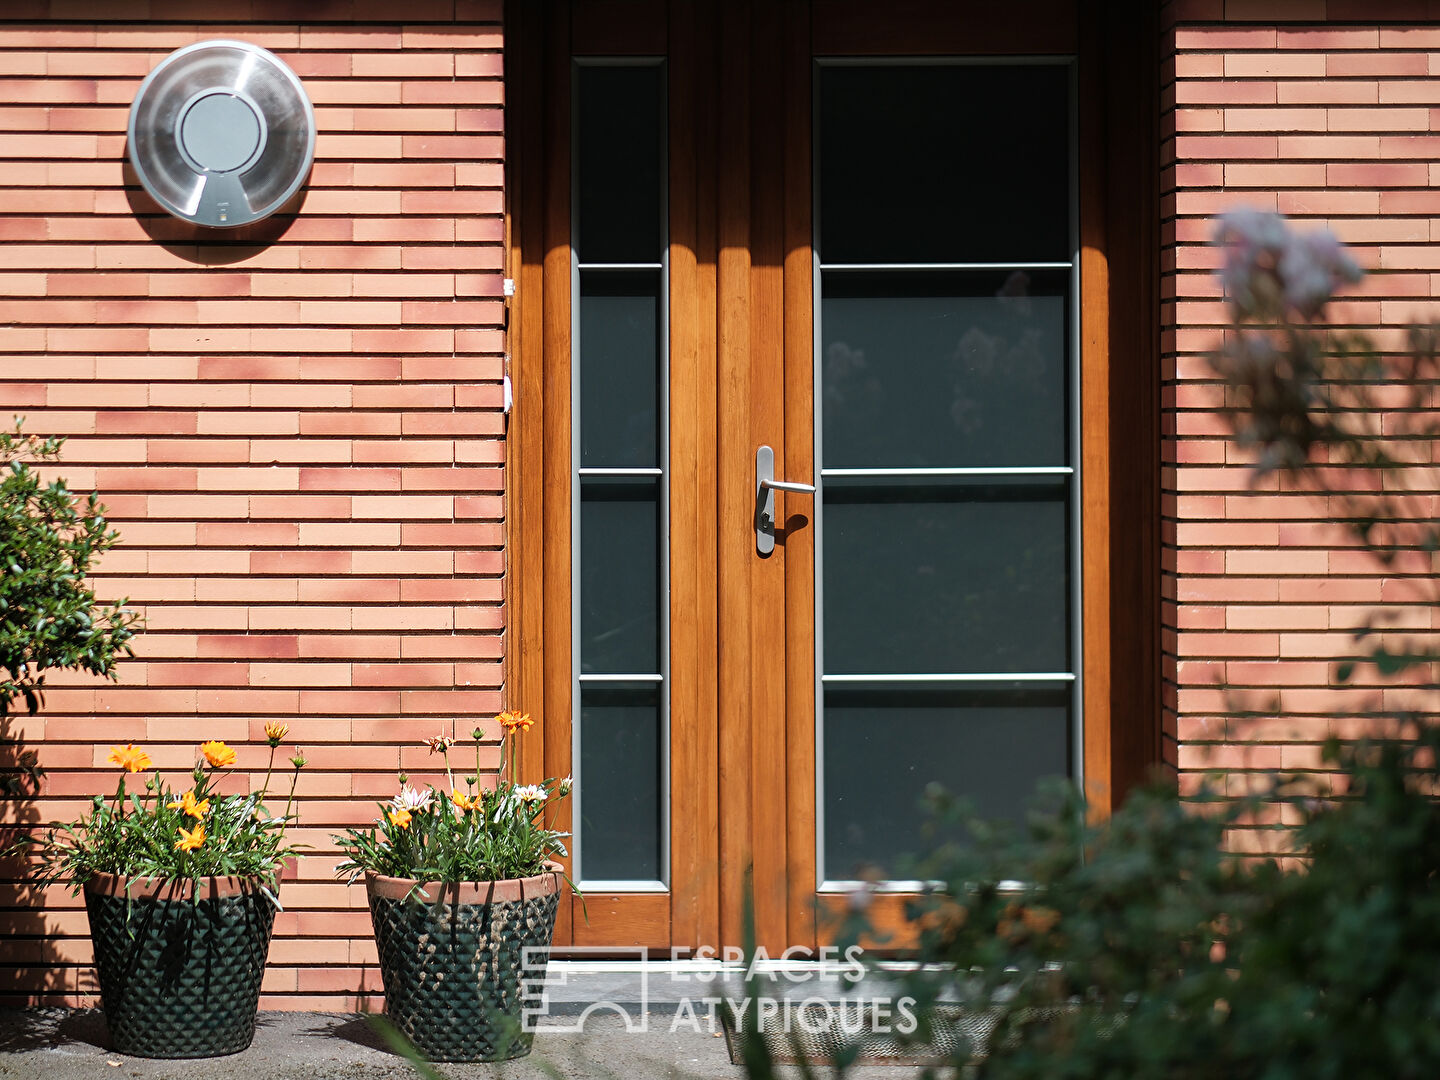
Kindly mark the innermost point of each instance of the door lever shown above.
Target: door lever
(765, 487)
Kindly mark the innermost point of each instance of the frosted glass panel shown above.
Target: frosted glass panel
(619, 369)
(944, 163)
(620, 575)
(618, 114)
(953, 575)
(942, 370)
(620, 783)
(883, 745)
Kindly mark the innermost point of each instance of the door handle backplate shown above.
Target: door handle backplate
(765, 487)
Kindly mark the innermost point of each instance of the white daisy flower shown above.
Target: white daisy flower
(531, 793)
(410, 799)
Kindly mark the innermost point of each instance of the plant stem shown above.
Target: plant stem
(265, 788)
(294, 779)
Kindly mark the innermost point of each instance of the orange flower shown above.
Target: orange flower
(465, 802)
(514, 721)
(399, 818)
(130, 758)
(188, 804)
(217, 754)
(191, 840)
(276, 732)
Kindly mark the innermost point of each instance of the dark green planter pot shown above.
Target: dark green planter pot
(179, 976)
(454, 959)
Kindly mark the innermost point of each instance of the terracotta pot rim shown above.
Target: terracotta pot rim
(543, 883)
(143, 887)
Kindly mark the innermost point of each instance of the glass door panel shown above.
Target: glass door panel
(946, 381)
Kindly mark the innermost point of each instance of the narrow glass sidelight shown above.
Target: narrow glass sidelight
(619, 475)
(946, 387)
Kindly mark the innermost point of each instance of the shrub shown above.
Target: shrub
(1138, 948)
(49, 538)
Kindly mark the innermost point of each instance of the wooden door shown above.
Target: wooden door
(739, 288)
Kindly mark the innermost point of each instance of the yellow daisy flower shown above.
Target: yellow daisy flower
(513, 721)
(188, 804)
(217, 754)
(130, 758)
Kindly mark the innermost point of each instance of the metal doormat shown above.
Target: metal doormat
(827, 1030)
(222, 133)
(815, 1032)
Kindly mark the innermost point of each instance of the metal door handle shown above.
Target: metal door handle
(765, 487)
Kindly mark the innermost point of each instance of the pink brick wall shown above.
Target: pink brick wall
(300, 441)
(1268, 104)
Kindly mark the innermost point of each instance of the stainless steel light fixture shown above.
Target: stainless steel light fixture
(222, 133)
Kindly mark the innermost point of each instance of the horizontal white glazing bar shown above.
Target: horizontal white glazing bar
(979, 470)
(948, 266)
(967, 677)
(594, 677)
(842, 886)
(618, 266)
(638, 470)
(589, 885)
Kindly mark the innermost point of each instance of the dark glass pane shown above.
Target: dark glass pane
(619, 114)
(619, 359)
(944, 163)
(943, 370)
(883, 745)
(945, 576)
(620, 783)
(620, 575)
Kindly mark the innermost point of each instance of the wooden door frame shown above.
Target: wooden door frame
(741, 287)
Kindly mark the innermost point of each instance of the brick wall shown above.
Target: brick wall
(299, 440)
(1315, 109)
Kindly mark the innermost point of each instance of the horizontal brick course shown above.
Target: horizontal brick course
(299, 440)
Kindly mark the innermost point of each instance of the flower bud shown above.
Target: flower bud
(299, 760)
(478, 733)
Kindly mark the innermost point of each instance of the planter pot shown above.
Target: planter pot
(179, 973)
(453, 960)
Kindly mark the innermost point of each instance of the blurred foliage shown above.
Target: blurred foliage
(1138, 947)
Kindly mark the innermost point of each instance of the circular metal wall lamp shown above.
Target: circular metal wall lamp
(222, 133)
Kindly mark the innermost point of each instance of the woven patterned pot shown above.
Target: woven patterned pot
(453, 960)
(179, 975)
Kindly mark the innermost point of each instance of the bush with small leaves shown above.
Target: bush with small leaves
(49, 540)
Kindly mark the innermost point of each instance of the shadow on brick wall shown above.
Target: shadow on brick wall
(34, 968)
